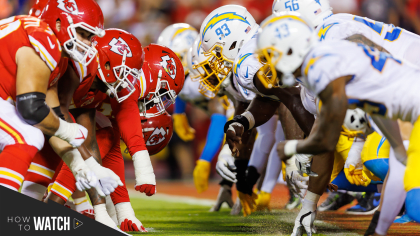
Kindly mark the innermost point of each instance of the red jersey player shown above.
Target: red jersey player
(31, 53)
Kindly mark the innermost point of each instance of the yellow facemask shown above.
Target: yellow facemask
(220, 67)
(268, 73)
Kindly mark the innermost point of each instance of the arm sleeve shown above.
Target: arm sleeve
(180, 105)
(215, 137)
(129, 123)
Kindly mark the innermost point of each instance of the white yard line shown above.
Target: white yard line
(173, 198)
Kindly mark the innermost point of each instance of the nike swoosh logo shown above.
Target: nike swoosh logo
(246, 76)
(83, 136)
(52, 46)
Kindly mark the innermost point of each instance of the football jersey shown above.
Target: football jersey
(25, 31)
(190, 93)
(381, 84)
(246, 65)
(395, 40)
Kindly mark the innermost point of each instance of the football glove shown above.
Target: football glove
(127, 218)
(225, 166)
(247, 202)
(353, 168)
(72, 133)
(304, 223)
(201, 175)
(108, 180)
(296, 182)
(304, 163)
(182, 128)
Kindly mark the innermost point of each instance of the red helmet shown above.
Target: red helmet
(157, 132)
(85, 14)
(37, 8)
(120, 61)
(163, 66)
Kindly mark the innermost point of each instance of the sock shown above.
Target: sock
(373, 223)
(110, 208)
(65, 183)
(241, 166)
(82, 204)
(14, 163)
(274, 164)
(33, 190)
(214, 137)
(263, 144)
(394, 195)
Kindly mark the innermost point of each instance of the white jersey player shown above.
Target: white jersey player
(342, 73)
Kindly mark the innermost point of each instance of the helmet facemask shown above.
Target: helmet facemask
(126, 79)
(77, 49)
(220, 67)
(161, 98)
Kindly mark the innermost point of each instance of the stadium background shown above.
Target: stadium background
(147, 18)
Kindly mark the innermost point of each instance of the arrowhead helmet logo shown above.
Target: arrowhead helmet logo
(69, 6)
(76, 223)
(157, 137)
(119, 46)
(168, 63)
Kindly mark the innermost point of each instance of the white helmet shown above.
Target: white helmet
(179, 38)
(355, 120)
(223, 33)
(315, 11)
(282, 44)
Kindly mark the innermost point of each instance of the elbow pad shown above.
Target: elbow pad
(32, 107)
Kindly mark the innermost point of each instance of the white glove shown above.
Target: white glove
(85, 178)
(72, 133)
(225, 166)
(304, 223)
(296, 182)
(127, 218)
(108, 180)
(143, 169)
(304, 163)
(101, 215)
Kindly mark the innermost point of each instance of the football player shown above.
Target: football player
(385, 37)
(180, 38)
(32, 43)
(341, 73)
(224, 35)
(74, 30)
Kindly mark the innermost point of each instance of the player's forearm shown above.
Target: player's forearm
(262, 109)
(327, 127)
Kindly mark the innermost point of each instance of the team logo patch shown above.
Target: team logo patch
(157, 136)
(119, 46)
(168, 63)
(69, 6)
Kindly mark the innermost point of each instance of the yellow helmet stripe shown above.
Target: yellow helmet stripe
(228, 16)
(274, 19)
(181, 30)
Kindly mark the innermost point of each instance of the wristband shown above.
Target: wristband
(237, 119)
(290, 148)
(251, 121)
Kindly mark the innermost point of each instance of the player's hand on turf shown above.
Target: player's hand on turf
(234, 137)
(145, 177)
(182, 128)
(225, 166)
(108, 180)
(132, 224)
(247, 202)
(304, 223)
(201, 175)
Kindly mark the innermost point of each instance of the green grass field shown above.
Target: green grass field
(170, 218)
